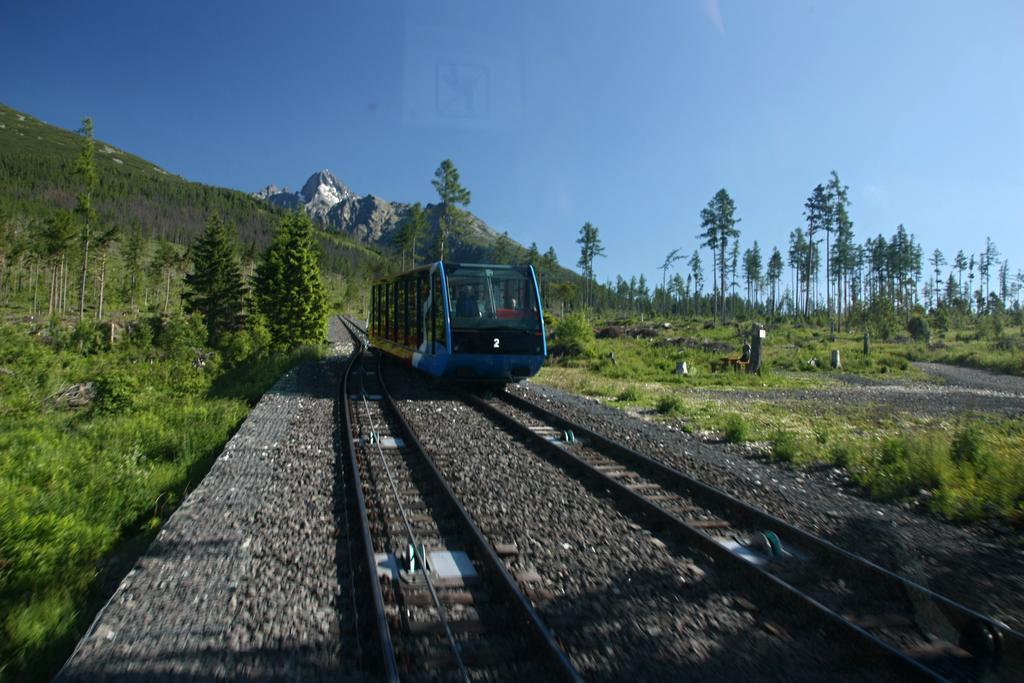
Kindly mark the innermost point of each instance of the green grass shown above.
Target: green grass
(78, 483)
(969, 468)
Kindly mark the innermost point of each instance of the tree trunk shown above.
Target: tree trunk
(85, 272)
(828, 282)
(66, 281)
(35, 286)
(167, 292)
(53, 290)
(103, 282)
(721, 274)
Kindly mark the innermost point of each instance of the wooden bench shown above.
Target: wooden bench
(724, 363)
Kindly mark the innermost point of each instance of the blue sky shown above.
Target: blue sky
(629, 115)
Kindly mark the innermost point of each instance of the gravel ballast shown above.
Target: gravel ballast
(980, 565)
(623, 601)
(243, 580)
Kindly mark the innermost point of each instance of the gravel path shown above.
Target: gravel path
(981, 566)
(625, 603)
(975, 380)
(243, 580)
(956, 391)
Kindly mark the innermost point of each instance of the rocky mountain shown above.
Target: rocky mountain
(365, 218)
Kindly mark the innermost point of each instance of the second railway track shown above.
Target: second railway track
(896, 621)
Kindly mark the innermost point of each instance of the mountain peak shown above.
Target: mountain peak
(324, 189)
(369, 218)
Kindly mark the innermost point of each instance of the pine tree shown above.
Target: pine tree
(132, 257)
(937, 260)
(696, 274)
(214, 288)
(752, 272)
(289, 288)
(104, 240)
(590, 248)
(818, 209)
(55, 240)
(452, 220)
(162, 267)
(774, 274)
(838, 202)
(85, 169)
(960, 264)
(413, 228)
(503, 248)
(719, 225)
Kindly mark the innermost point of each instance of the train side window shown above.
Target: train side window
(405, 311)
(421, 278)
(399, 312)
(393, 332)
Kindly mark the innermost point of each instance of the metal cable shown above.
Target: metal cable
(412, 537)
(348, 529)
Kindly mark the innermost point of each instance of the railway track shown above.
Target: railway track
(443, 604)
(897, 622)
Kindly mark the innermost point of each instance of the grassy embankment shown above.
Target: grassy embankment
(968, 466)
(84, 489)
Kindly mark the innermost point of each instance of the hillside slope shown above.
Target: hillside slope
(36, 161)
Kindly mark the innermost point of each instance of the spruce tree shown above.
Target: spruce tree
(590, 248)
(85, 170)
(214, 288)
(503, 249)
(718, 222)
(452, 220)
(131, 255)
(289, 288)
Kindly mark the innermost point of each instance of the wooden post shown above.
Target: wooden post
(836, 363)
(867, 343)
(757, 334)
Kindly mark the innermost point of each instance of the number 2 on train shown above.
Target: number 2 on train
(497, 343)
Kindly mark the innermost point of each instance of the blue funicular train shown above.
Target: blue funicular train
(464, 321)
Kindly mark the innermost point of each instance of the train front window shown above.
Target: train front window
(492, 298)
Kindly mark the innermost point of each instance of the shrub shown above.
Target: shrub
(669, 405)
(787, 446)
(736, 429)
(918, 328)
(969, 449)
(574, 336)
(631, 394)
(88, 337)
(904, 465)
(115, 392)
(178, 337)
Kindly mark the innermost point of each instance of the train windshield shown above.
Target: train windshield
(483, 298)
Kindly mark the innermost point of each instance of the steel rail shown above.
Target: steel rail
(1005, 646)
(442, 613)
(877, 650)
(388, 661)
(486, 553)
